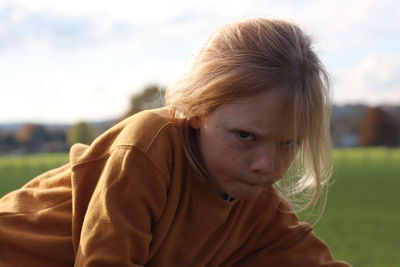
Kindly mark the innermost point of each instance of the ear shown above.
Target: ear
(195, 122)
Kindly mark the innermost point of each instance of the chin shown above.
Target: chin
(246, 194)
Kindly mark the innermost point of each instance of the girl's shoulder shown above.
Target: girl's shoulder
(144, 128)
(151, 132)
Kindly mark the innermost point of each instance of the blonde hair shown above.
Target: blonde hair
(244, 58)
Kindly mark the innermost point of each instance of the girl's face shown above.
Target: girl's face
(246, 145)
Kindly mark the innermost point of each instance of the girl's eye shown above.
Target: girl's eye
(289, 144)
(245, 135)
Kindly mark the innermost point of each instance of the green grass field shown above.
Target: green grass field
(362, 219)
(361, 223)
(17, 170)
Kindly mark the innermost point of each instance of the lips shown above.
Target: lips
(258, 183)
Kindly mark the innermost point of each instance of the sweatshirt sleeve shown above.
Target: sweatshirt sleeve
(127, 201)
(287, 242)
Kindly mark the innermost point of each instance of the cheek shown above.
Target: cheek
(235, 155)
(283, 164)
(219, 142)
(225, 158)
(214, 148)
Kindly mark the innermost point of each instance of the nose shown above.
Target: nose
(263, 162)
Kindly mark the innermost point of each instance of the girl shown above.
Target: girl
(199, 182)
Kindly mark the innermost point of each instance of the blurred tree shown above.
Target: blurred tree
(57, 140)
(151, 97)
(58, 135)
(81, 132)
(377, 129)
(8, 142)
(32, 137)
(346, 122)
(394, 113)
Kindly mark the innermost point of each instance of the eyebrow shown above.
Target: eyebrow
(261, 134)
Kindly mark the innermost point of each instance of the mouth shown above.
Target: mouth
(263, 184)
(258, 184)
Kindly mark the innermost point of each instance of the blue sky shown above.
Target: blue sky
(64, 61)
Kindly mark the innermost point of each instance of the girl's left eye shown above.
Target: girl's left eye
(243, 135)
(289, 144)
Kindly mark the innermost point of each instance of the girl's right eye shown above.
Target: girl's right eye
(243, 135)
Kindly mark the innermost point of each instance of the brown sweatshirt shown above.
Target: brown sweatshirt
(131, 199)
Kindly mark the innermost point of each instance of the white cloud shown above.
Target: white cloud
(344, 16)
(67, 24)
(68, 95)
(134, 11)
(17, 16)
(38, 44)
(104, 50)
(123, 21)
(375, 80)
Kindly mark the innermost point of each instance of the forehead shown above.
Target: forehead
(266, 113)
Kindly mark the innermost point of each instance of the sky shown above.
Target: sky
(82, 60)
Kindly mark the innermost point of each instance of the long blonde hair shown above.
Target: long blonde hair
(244, 58)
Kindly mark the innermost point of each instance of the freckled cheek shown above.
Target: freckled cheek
(231, 161)
(220, 152)
(236, 155)
(282, 166)
(229, 157)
